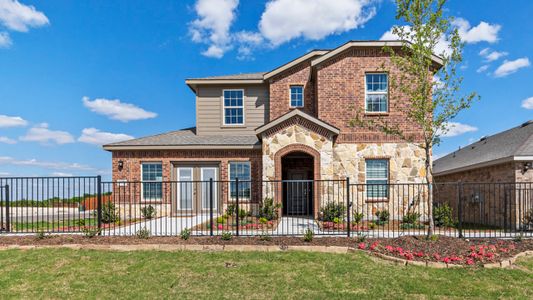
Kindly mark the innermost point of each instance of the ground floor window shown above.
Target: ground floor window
(241, 170)
(377, 178)
(152, 178)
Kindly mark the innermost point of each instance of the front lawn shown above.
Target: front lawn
(64, 273)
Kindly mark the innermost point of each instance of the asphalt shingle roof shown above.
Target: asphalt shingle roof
(242, 76)
(188, 137)
(517, 141)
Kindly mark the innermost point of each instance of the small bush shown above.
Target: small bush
(336, 220)
(230, 210)
(109, 214)
(226, 236)
(265, 237)
(268, 209)
(443, 216)
(332, 210)
(185, 234)
(263, 220)
(221, 220)
(148, 212)
(308, 235)
(383, 217)
(357, 218)
(143, 233)
(361, 237)
(81, 222)
(242, 214)
(411, 218)
(89, 232)
(434, 238)
(40, 235)
(371, 225)
(528, 218)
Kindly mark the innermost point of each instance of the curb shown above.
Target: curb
(263, 248)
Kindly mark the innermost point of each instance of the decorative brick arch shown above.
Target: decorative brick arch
(297, 148)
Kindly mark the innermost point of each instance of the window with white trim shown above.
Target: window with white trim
(152, 181)
(233, 107)
(376, 92)
(377, 178)
(297, 95)
(241, 170)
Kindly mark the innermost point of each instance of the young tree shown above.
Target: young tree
(431, 90)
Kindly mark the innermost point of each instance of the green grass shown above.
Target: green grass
(63, 273)
(56, 225)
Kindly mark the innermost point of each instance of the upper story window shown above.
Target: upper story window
(376, 92)
(233, 107)
(152, 177)
(377, 178)
(297, 95)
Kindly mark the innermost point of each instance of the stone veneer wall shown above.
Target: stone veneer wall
(338, 161)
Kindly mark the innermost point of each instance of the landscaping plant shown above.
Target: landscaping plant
(308, 235)
(226, 236)
(332, 210)
(383, 217)
(230, 210)
(109, 214)
(442, 215)
(148, 212)
(268, 209)
(143, 233)
(357, 217)
(185, 234)
(90, 232)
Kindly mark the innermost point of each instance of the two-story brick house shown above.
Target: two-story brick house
(291, 123)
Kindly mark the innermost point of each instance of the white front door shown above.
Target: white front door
(207, 173)
(185, 188)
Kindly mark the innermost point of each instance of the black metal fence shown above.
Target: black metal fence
(274, 208)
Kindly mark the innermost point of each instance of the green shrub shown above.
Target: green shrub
(230, 210)
(148, 212)
(226, 236)
(81, 222)
(528, 218)
(243, 214)
(308, 235)
(371, 225)
(90, 232)
(336, 220)
(383, 217)
(361, 237)
(143, 233)
(109, 214)
(357, 218)
(40, 235)
(263, 220)
(185, 234)
(268, 209)
(411, 218)
(221, 220)
(332, 210)
(443, 216)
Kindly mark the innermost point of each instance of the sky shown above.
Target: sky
(78, 74)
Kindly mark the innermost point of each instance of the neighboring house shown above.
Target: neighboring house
(497, 177)
(291, 123)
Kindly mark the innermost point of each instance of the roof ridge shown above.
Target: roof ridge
(155, 135)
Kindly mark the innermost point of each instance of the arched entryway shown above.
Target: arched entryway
(298, 168)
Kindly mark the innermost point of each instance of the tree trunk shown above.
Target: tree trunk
(429, 182)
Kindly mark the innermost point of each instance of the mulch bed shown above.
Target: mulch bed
(444, 249)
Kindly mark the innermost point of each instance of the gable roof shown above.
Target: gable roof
(514, 144)
(186, 139)
(392, 43)
(259, 130)
(294, 62)
(241, 76)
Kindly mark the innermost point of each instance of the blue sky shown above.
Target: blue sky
(76, 73)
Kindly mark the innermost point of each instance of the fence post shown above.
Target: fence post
(460, 208)
(8, 221)
(99, 203)
(237, 210)
(348, 206)
(211, 223)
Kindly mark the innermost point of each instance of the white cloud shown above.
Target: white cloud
(442, 47)
(6, 160)
(8, 121)
(455, 129)
(117, 110)
(61, 174)
(492, 55)
(97, 137)
(6, 140)
(5, 40)
(40, 133)
(528, 103)
(510, 67)
(483, 32)
(19, 17)
(482, 69)
(4, 173)
(213, 24)
(284, 20)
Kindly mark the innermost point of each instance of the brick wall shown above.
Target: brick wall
(340, 94)
(280, 90)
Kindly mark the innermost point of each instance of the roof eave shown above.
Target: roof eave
(485, 164)
(294, 63)
(296, 112)
(178, 147)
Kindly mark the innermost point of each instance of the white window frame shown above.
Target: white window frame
(151, 181)
(386, 178)
(224, 108)
(178, 189)
(290, 95)
(230, 181)
(386, 93)
(215, 187)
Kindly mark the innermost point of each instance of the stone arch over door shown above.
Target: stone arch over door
(316, 170)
